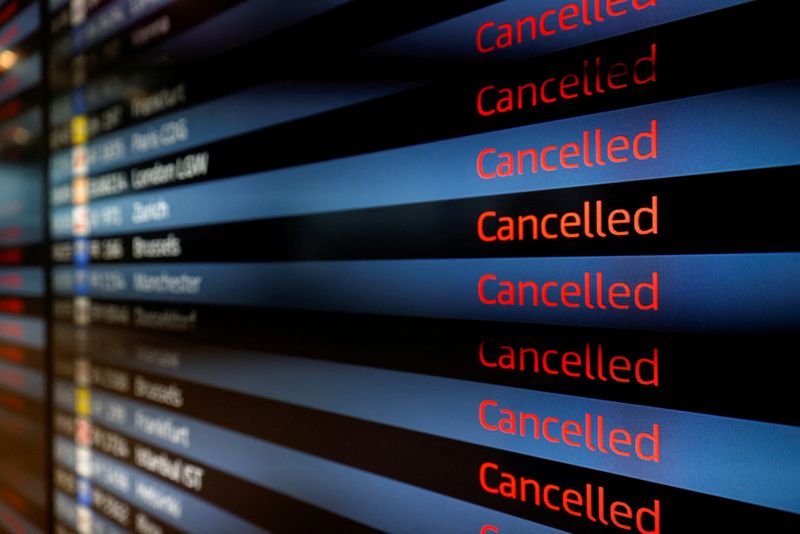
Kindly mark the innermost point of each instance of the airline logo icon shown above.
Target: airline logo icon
(80, 190)
(83, 461)
(82, 370)
(77, 12)
(80, 221)
(80, 281)
(83, 432)
(82, 310)
(79, 101)
(83, 519)
(79, 127)
(80, 251)
(80, 160)
(83, 402)
(84, 492)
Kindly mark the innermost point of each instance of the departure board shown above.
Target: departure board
(24, 448)
(424, 266)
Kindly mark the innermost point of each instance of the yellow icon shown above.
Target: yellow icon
(80, 129)
(83, 401)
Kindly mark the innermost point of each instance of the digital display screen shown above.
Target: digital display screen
(24, 359)
(456, 266)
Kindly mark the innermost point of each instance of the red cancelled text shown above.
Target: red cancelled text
(492, 35)
(594, 77)
(589, 502)
(590, 294)
(593, 363)
(590, 433)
